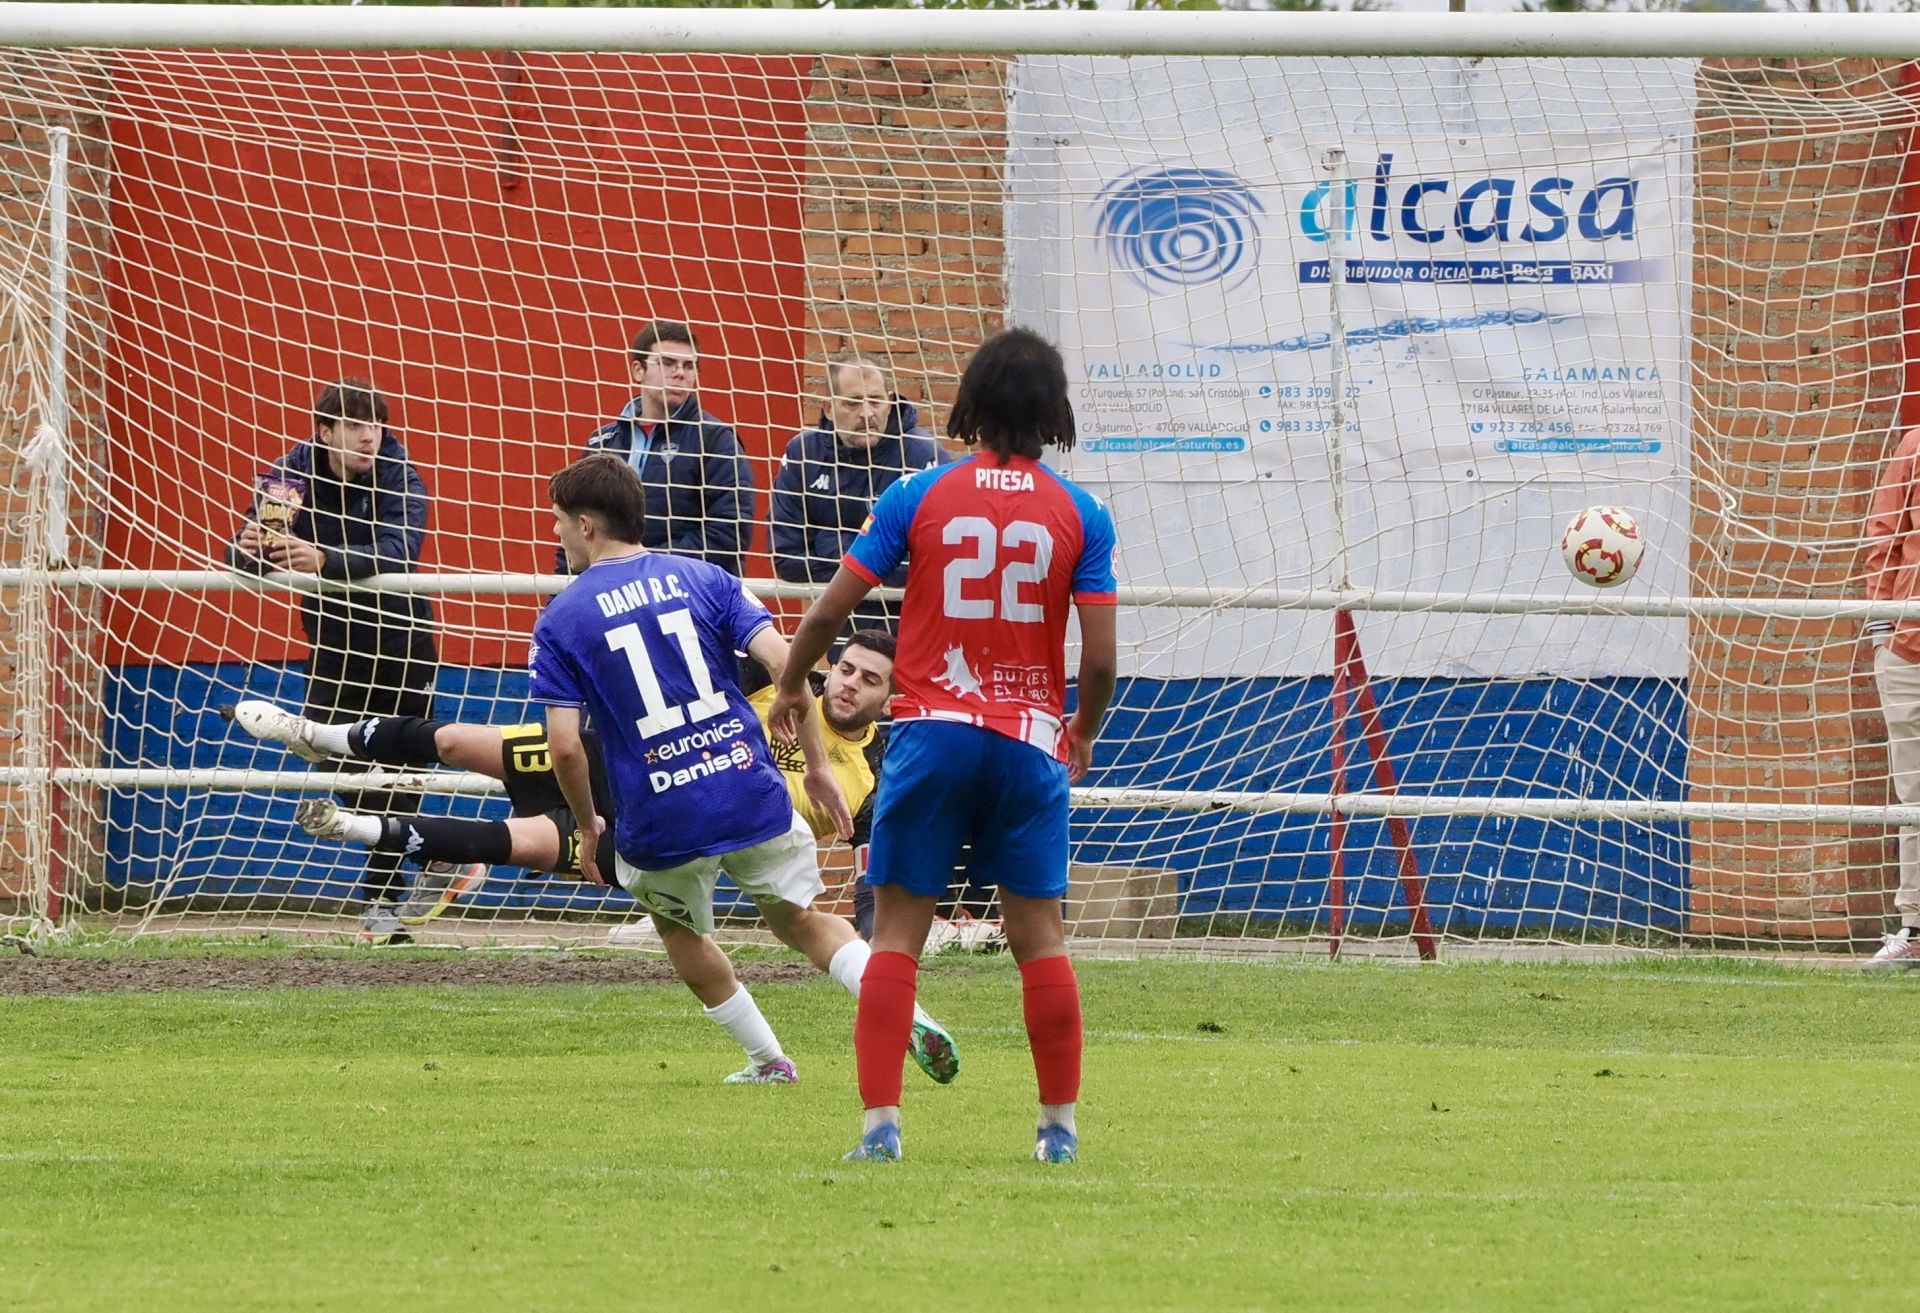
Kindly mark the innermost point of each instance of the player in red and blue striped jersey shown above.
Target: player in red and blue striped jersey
(999, 548)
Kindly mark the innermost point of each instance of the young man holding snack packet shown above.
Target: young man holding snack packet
(345, 504)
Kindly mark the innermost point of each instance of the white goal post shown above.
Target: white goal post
(1360, 309)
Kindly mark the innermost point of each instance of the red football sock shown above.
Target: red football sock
(1051, 999)
(883, 1025)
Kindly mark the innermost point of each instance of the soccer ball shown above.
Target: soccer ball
(1603, 546)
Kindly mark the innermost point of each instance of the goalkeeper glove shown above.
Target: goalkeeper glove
(1878, 632)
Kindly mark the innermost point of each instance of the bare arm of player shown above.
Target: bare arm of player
(792, 699)
(771, 651)
(1099, 668)
(570, 769)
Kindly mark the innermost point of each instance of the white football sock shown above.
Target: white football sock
(740, 1017)
(880, 1117)
(331, 739)
(357, 828)
(1057, 1114)
(848, 966)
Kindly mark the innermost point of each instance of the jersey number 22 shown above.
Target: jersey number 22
(987, 540)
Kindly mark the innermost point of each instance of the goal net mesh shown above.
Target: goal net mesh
(1384, 325)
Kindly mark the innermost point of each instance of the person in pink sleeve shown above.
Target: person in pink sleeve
(1893, 575)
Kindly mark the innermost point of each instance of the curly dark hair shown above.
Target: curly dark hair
(1013, 398)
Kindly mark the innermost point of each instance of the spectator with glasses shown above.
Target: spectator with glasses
(700, 498)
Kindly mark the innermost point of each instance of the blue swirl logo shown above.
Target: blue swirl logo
(1170, 228)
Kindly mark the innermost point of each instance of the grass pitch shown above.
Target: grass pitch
(1664, 1135)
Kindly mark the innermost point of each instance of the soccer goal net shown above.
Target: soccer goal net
(1352, 338)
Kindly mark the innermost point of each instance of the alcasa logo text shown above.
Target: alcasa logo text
(1477, 211)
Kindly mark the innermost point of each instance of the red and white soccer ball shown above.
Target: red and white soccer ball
(1603, 546)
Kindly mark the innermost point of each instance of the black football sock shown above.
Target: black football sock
(396, 740)
(446, 839)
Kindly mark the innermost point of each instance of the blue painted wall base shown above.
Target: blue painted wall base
(1517, 738)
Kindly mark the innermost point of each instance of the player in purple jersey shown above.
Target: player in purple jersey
(645, 642)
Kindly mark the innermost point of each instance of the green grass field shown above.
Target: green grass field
(1653, 1135)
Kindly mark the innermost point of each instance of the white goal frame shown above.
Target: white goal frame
(1881, 36)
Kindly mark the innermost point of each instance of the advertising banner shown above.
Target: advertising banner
(1509, 339)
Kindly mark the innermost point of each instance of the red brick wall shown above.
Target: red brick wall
(1798, 361)
(903, 206)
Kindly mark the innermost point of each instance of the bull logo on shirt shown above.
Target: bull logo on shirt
(958, 678)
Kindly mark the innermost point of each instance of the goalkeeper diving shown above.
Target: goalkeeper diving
(541, 835)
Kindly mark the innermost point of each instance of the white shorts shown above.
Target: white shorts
(785, 868)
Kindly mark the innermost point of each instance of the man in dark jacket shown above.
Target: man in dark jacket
(345, 504)
(700, 493)
(866, 441)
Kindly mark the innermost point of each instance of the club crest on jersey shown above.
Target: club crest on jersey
(997, 478)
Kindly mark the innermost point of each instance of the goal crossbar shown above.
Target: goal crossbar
(961, 32)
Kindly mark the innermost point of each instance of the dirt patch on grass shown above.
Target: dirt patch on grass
(21, 975)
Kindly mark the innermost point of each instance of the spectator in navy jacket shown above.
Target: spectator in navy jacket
(344, 504)
(699, 487)
(866, 441)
